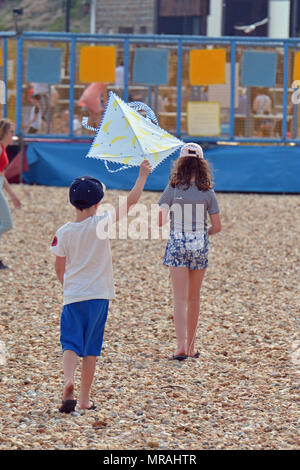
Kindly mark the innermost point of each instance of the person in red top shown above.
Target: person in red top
(6, 133)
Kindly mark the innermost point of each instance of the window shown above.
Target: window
(182, 17)
(244, 12)
(125, 30)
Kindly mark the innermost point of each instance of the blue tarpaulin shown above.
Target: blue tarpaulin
(235, 168)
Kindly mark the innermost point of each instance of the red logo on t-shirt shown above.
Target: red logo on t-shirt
(54, 243)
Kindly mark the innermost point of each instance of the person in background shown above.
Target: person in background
(42, 89)
(240, 113)
(93, 100)
(6, 134)
(65, 124)
(262, 105)
(54, 97)
(34, 124)
(119, 82)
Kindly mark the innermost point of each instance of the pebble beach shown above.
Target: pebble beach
(241, 394)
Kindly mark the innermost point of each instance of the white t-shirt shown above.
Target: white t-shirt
(89, 273)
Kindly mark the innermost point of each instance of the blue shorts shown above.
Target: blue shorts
(187, 249)
(82, 326)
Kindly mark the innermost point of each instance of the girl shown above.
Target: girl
(6, 133)
(188, 198)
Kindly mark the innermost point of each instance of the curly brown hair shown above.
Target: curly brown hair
(187, 167)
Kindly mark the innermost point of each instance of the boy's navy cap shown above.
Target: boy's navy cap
(85, 191)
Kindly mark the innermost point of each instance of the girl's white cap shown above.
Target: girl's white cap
(191, 149)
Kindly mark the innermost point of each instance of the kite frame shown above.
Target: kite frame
(136, 105)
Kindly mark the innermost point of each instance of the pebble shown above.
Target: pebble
(240, 391)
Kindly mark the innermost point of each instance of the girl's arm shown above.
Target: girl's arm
(135, 193)
(14, 198)
(60, 267)
(215, 224)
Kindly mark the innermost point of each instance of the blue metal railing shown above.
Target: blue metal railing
(19, 85)
(5, 75)
(179, 82)
(173, 40)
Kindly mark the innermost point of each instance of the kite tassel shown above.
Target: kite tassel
(124, 167)
(84, 123)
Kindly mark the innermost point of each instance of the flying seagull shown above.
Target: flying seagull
(251, 27)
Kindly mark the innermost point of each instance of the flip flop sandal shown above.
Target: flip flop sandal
(178, 358)
(195, 356)
(68, 406)
(92, 407)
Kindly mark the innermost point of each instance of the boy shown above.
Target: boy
(34, 124)
(84, 267)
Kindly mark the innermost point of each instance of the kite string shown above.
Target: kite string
(124, 167)
(84, 123)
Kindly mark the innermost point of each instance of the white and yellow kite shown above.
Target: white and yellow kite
(126, 137)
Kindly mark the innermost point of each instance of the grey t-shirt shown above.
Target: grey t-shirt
(189, 207)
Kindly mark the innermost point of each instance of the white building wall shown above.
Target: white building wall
(214, 20)
(279, 18)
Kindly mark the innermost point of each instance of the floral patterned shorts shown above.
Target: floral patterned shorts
(187, 249)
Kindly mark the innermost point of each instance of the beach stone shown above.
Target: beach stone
(242, 393)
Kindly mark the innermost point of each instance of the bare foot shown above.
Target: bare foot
(179, 355)
(180, 352)
(68, 390)
(194, 353)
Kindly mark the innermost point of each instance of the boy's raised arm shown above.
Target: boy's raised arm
(135, 193)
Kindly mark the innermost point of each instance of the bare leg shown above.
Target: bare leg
(195, 282)
(69, 366)
(87, 377)
(180, 278)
